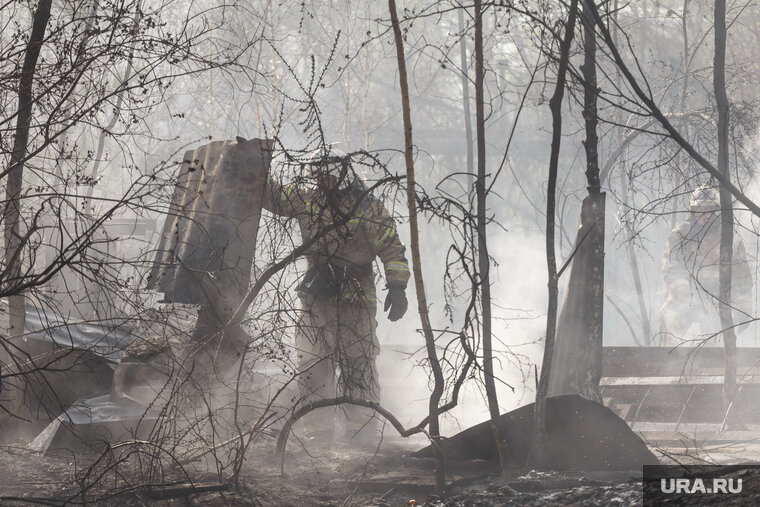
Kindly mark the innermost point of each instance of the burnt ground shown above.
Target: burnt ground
(319, 474)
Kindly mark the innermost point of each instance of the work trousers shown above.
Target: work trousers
(683, 309)
(337, 349)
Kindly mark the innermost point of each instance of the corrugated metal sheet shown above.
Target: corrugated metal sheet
(207, 244)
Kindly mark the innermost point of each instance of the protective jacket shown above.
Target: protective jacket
(693, 255)
(354, 228)
(691, 270)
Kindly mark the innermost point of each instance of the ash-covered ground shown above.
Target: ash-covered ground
(315, 473)
(328, 474)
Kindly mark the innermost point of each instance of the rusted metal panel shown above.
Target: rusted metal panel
(208, 239)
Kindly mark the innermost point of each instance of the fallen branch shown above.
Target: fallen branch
(282, 440)
(184, 489)
(255, 428)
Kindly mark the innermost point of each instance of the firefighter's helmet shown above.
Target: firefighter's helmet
(331, 162)
(704, 199)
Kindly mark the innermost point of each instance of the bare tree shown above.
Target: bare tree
(577, 363)
(14, 240)
(484, 261)
(726, 208)
(464, 65)
(422, 305)
(538, 442)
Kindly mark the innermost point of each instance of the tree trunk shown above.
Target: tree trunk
(466, 102)
(366, 79)
(422, 306)
(685, 123)
(105, 131)
(538, 443)
(590, 95)
(95, 293)
(347, 84)
(577, 361)
(483, 261)
(577, 364)
(12, 212)
(633, 260)
(726, 211)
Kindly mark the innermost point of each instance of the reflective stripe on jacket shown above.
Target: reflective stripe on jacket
(364, 230)
(692, 256)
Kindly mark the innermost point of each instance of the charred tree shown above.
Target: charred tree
(483, 261)
(538, 443)
(419, 284)
(726, 211)
(466, 101)
(678, 176)
(577, 362)
(14, 243)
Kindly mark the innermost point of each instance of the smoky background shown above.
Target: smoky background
(311, 73)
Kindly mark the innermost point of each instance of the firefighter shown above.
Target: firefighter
(691, 267)
(337, 326)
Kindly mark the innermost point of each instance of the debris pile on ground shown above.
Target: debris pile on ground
(610, 495)
(545, 488)
(322, 473)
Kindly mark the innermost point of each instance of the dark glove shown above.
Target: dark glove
(396, 301)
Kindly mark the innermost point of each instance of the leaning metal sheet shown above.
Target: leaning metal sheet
(209, 235)
(107, 342)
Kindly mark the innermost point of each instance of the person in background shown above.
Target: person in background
(691, 267)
